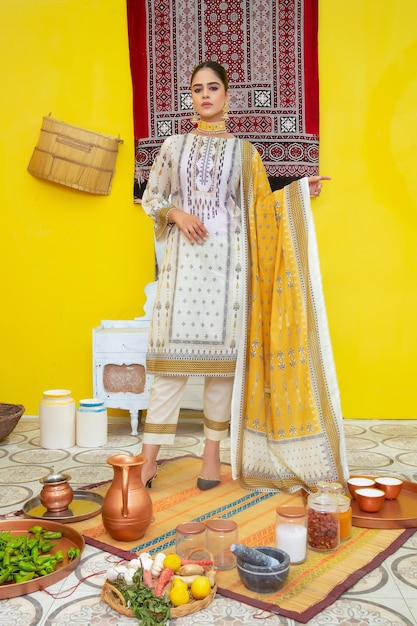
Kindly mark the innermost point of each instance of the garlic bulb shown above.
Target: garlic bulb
(158, 564)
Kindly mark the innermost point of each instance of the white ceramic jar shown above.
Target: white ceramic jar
(57, 419)
(91, 423)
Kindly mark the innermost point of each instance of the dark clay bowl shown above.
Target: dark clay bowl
(261, 579)
(370, 499)
(390, 486)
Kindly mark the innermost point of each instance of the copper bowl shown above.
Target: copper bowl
(359, 482)
(370, 499)
(390, 486)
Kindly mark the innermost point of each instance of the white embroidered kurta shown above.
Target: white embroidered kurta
(196, 323)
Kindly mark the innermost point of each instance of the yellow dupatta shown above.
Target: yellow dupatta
(287, 430)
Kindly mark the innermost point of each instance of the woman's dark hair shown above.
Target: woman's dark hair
(217, 69)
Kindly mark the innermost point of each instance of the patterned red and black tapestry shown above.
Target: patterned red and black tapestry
(269, 48)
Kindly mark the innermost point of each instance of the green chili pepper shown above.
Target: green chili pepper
(4, 574)
(49, 567)
(52, 535)
(73, 553)
(24, 577)
(47, 546)
(31, 543)
(36, 530)
(27, 566)
(59, 556)
(7, 555)
(41, 560)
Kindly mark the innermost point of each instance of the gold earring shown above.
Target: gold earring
(195, 118)
(225, 115)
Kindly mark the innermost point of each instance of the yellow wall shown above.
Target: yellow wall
(70, 259)
(366, 219)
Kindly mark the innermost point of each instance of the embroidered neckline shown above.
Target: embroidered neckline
(211, 128)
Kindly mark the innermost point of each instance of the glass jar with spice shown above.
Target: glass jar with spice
(323, 521)
(345, 510)
(291, 532)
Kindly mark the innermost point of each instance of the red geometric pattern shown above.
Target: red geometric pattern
(269, 48)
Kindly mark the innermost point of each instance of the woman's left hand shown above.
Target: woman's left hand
(315, 185)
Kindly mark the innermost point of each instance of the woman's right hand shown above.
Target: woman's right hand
(190, 226)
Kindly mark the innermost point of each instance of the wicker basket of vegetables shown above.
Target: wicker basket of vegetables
(155, 589)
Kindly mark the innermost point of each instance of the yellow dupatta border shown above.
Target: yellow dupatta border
(286, 401)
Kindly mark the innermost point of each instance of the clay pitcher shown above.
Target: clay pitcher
(127, 506)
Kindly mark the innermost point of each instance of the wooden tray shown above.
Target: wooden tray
(399, 513)
(70, 539)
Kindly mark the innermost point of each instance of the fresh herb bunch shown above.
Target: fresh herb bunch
(148, 608)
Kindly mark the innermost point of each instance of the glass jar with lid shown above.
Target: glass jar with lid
(221, 534)
(291, 532)
(323, 522)
(190, 540)
(345, 510)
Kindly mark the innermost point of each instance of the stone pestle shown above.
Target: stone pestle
(253, 556)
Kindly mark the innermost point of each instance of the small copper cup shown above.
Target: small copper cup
(370, 499)
(390, 486)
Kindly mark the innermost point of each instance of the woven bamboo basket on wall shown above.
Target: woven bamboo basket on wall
(75, 157)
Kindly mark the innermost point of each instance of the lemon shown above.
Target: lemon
(179, 595)
(177, 582)
(200, 587)
(172, 561)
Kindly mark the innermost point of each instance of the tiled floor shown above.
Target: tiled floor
(385, 597)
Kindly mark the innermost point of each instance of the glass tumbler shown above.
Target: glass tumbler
(221, 534)
(190, 540)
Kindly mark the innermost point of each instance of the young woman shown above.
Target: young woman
(235, 304)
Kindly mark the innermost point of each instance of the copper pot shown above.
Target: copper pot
(57, 493)
(127, 506)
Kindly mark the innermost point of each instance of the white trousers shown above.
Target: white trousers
(165, 402)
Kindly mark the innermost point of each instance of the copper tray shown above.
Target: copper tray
(399, 513)
(85, 504)
(70, 539)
